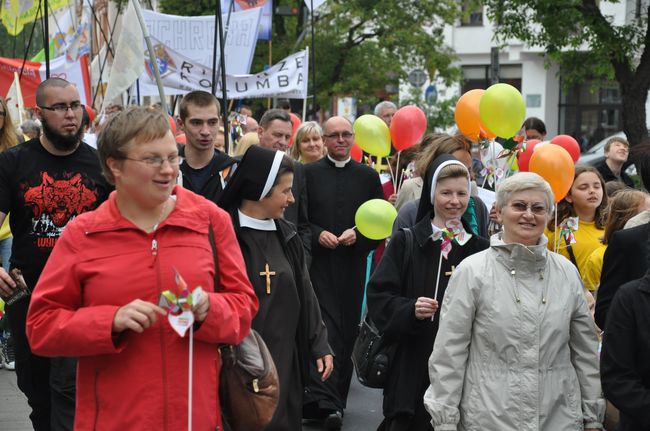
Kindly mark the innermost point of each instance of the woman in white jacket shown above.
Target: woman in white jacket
(517, 348)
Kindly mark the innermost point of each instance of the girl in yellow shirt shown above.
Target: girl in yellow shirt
(581, 218)
(623, 205)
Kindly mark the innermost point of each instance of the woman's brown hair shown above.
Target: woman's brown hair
(8, 137)
(565, 208)
(623, 205)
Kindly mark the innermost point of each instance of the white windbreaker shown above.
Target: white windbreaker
(517, 348)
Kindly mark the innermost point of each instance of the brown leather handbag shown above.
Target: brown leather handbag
(249, 388)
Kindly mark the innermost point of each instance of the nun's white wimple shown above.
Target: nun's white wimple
(275, 167)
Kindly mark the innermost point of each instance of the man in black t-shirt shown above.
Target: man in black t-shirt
(205, 170)
(45, 183)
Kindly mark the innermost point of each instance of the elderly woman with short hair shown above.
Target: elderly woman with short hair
(517, 348)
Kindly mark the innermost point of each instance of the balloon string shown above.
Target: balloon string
(189, 396)
(390, 168)
(399, 173)
(556, 240)
(435, 295)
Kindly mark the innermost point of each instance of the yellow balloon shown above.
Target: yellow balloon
(375, 218)
(372, 135)
(502, 110)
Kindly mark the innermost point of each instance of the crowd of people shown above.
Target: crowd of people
(498, 332)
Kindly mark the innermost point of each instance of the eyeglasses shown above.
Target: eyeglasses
(62, 108)
(535, 208)
(344, 135)
(158, 162)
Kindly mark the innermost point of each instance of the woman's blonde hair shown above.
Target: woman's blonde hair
(8, 137)
(623, 205)
(305, 130)
(132, 126)
(250, 138)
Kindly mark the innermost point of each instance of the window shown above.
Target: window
(472, 14)
(590, 115)
(478, 77)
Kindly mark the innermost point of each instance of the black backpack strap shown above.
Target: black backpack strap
(408, 257)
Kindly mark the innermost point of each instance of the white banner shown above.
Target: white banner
(287, 78)
(266, 6)
(194, 37)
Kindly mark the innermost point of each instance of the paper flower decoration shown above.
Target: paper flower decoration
(180, 314)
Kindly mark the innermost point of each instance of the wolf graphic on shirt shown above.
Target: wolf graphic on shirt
(54, 203)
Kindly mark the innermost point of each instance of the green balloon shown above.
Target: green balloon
(372, 135)
(502, 110)
(375, 218)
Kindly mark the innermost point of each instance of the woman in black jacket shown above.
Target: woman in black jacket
(402, 301)
(625, 360)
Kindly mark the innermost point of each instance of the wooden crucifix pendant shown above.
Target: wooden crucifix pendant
(448, 273)
(267, 273)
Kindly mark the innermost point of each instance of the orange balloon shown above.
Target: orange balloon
(555, 165)
(468, 118)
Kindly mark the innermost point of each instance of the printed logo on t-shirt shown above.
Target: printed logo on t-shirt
(54, 203)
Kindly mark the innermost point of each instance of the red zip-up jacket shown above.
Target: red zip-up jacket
(103, 261)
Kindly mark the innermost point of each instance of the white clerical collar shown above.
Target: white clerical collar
(435, 229)
(339, 164)
(254, 223)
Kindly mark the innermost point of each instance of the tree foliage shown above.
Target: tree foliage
(587, 45)
(361, 46)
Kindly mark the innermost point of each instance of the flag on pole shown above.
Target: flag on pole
(316, 3)
(16, 13)
(34, 73)
(15, 104)
(128, 64)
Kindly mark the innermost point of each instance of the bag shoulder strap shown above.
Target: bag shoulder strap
(408, 246)
(572, 256)
(213, 246)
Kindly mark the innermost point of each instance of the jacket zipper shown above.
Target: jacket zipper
(163, 356)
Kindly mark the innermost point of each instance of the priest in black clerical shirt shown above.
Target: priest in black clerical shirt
(336, 187)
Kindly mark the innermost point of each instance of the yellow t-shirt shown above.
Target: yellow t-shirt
(587, 240)
(593, 268)
(5, 232)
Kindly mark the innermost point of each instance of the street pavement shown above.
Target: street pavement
(363, 412)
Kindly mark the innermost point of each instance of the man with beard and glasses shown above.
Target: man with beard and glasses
(44, 183)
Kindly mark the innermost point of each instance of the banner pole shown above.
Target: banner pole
(46, 40)
(224, 84)
(313, 58)
(152, 55)
(268, 99)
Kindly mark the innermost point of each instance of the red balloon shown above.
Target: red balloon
(181, 139)
(523, 157)
(172, 124)
(91, 114)
(407, 127)
(568, 143)
(295, 121)
(356, 153)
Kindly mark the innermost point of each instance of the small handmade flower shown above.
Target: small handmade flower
(454, 232)
(180, 314)
(492, 174)
(567, 229)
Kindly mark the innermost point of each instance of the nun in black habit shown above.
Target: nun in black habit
(289, 318)
(402, 300)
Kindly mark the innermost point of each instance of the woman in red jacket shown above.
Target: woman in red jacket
(97, 296)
